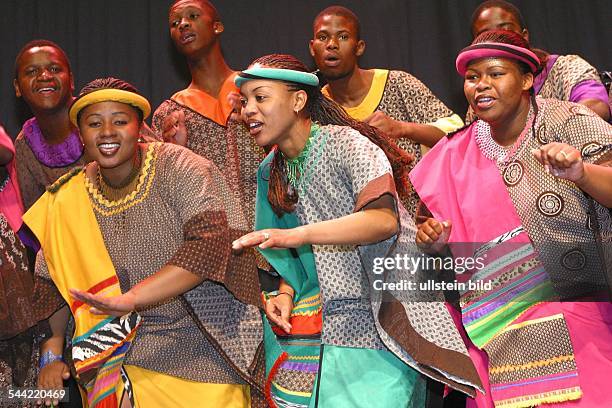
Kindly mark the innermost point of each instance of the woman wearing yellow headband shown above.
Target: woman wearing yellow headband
(140, 210)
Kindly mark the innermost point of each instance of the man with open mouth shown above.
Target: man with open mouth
(48, 146)
(393, 101)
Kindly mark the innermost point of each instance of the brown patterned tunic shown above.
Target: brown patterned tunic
(569, 230)
(229, 147)
(403, 97)
(182, 213)
(18, 344)
(33, 175)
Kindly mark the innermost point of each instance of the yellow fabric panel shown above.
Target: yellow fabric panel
(153, 390)
(76, 256)
(448, 124)
(372, 99)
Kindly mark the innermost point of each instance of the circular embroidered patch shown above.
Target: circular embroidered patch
(591, 149)
(581, 110)
(513, 173)
(574, 260)
(541, 134)
(550, 204)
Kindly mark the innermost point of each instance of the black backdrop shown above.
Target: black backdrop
(129, 39)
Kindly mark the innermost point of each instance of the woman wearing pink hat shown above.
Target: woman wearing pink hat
(526, 189)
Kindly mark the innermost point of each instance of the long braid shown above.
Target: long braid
(331, 113)
(326, 112)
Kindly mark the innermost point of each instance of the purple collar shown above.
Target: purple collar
(539, 80)
(59, 155)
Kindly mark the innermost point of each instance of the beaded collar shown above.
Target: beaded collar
(494, 151)
(58, 155)
(296, 169)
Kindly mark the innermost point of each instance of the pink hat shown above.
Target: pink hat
(496, 49)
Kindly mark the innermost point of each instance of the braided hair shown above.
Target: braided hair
(507, 37)
(109, 83)
(324, 111)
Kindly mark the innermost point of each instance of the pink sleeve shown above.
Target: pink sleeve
(11, 204)
(6, 141)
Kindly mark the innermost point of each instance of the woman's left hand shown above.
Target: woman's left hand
(271, 238)
(114, 306)
(561, 160)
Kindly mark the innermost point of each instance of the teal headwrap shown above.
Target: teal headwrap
(279, 74)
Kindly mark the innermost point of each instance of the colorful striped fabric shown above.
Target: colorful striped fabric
(517, 281)
(292, 379)
(531, 361)
(77, 258)
(292, 360)
(545, 373)
(99, 355)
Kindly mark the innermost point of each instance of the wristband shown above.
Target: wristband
(285, 293)
(48, 357)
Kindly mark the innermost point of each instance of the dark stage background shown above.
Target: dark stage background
(129, 39)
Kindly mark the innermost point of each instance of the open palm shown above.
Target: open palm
(101, 305)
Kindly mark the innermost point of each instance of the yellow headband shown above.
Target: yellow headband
(106, 95)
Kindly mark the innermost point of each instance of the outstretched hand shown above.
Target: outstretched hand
(173, 128)
(271, 238)
(433, 235)
(101, 305)
(561, 160)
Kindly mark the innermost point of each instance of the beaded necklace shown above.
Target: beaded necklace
(116, 192)
(296, 169)
(502, 155)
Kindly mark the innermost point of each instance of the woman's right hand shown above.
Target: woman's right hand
(103, 305)
(272, 238)
(278, 310)
(433, 235)
(51, 377)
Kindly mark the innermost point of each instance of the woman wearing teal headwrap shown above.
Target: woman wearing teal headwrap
(327, 208)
